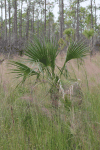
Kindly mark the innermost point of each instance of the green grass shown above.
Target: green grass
(28, 121)
(24, 126)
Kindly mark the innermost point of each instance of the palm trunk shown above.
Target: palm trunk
(54, 94)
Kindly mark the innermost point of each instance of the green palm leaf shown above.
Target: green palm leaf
(76, 50)
(23, 70)
(44, 52)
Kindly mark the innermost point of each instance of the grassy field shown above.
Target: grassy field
(29, 122)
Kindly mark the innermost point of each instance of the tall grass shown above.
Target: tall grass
(29, 122)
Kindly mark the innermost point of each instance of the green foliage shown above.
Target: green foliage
(32, 129)
(26, 126)
(61, 43)
(24, 15)
(67, 102)
(69, 22)
(76, 50)
(88, 33)
(82, 10)
(50, 15)
(69, 32)
(23, 70)
(43, 53)
(88, 19)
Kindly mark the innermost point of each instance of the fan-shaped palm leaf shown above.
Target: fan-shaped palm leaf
(76, 50)
(23, 70)
(43, 51)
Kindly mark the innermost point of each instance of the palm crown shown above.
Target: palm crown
(44, 53)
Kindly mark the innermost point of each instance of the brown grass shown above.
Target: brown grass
(90, 68)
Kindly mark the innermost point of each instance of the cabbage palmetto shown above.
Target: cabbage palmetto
(44, 54)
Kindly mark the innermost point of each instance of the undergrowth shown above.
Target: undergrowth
(29, 122)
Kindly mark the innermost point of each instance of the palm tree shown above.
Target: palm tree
(43, 53)
(1, 7)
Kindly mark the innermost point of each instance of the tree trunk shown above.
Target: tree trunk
(20, 29)
(61, 6)
(5, 22)
(45, 20)
(38, 23)
(77, 30)
(32, 22)
(9, 22)
(95, 17)
(91, 16)
(27, 25)
(92, 28)
(15, 21)
(49, 23)
(1, 19)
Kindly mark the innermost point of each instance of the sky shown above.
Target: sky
(83, 4)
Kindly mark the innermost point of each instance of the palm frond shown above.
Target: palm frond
(76, 50)
(22, 70)
(44, 52)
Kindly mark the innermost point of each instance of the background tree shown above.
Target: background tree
(5, 21)
(15, 20)
(61, 13)
(77, 31)
(1, 6)
(91, 21)
(25, 18)
(45, 19)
